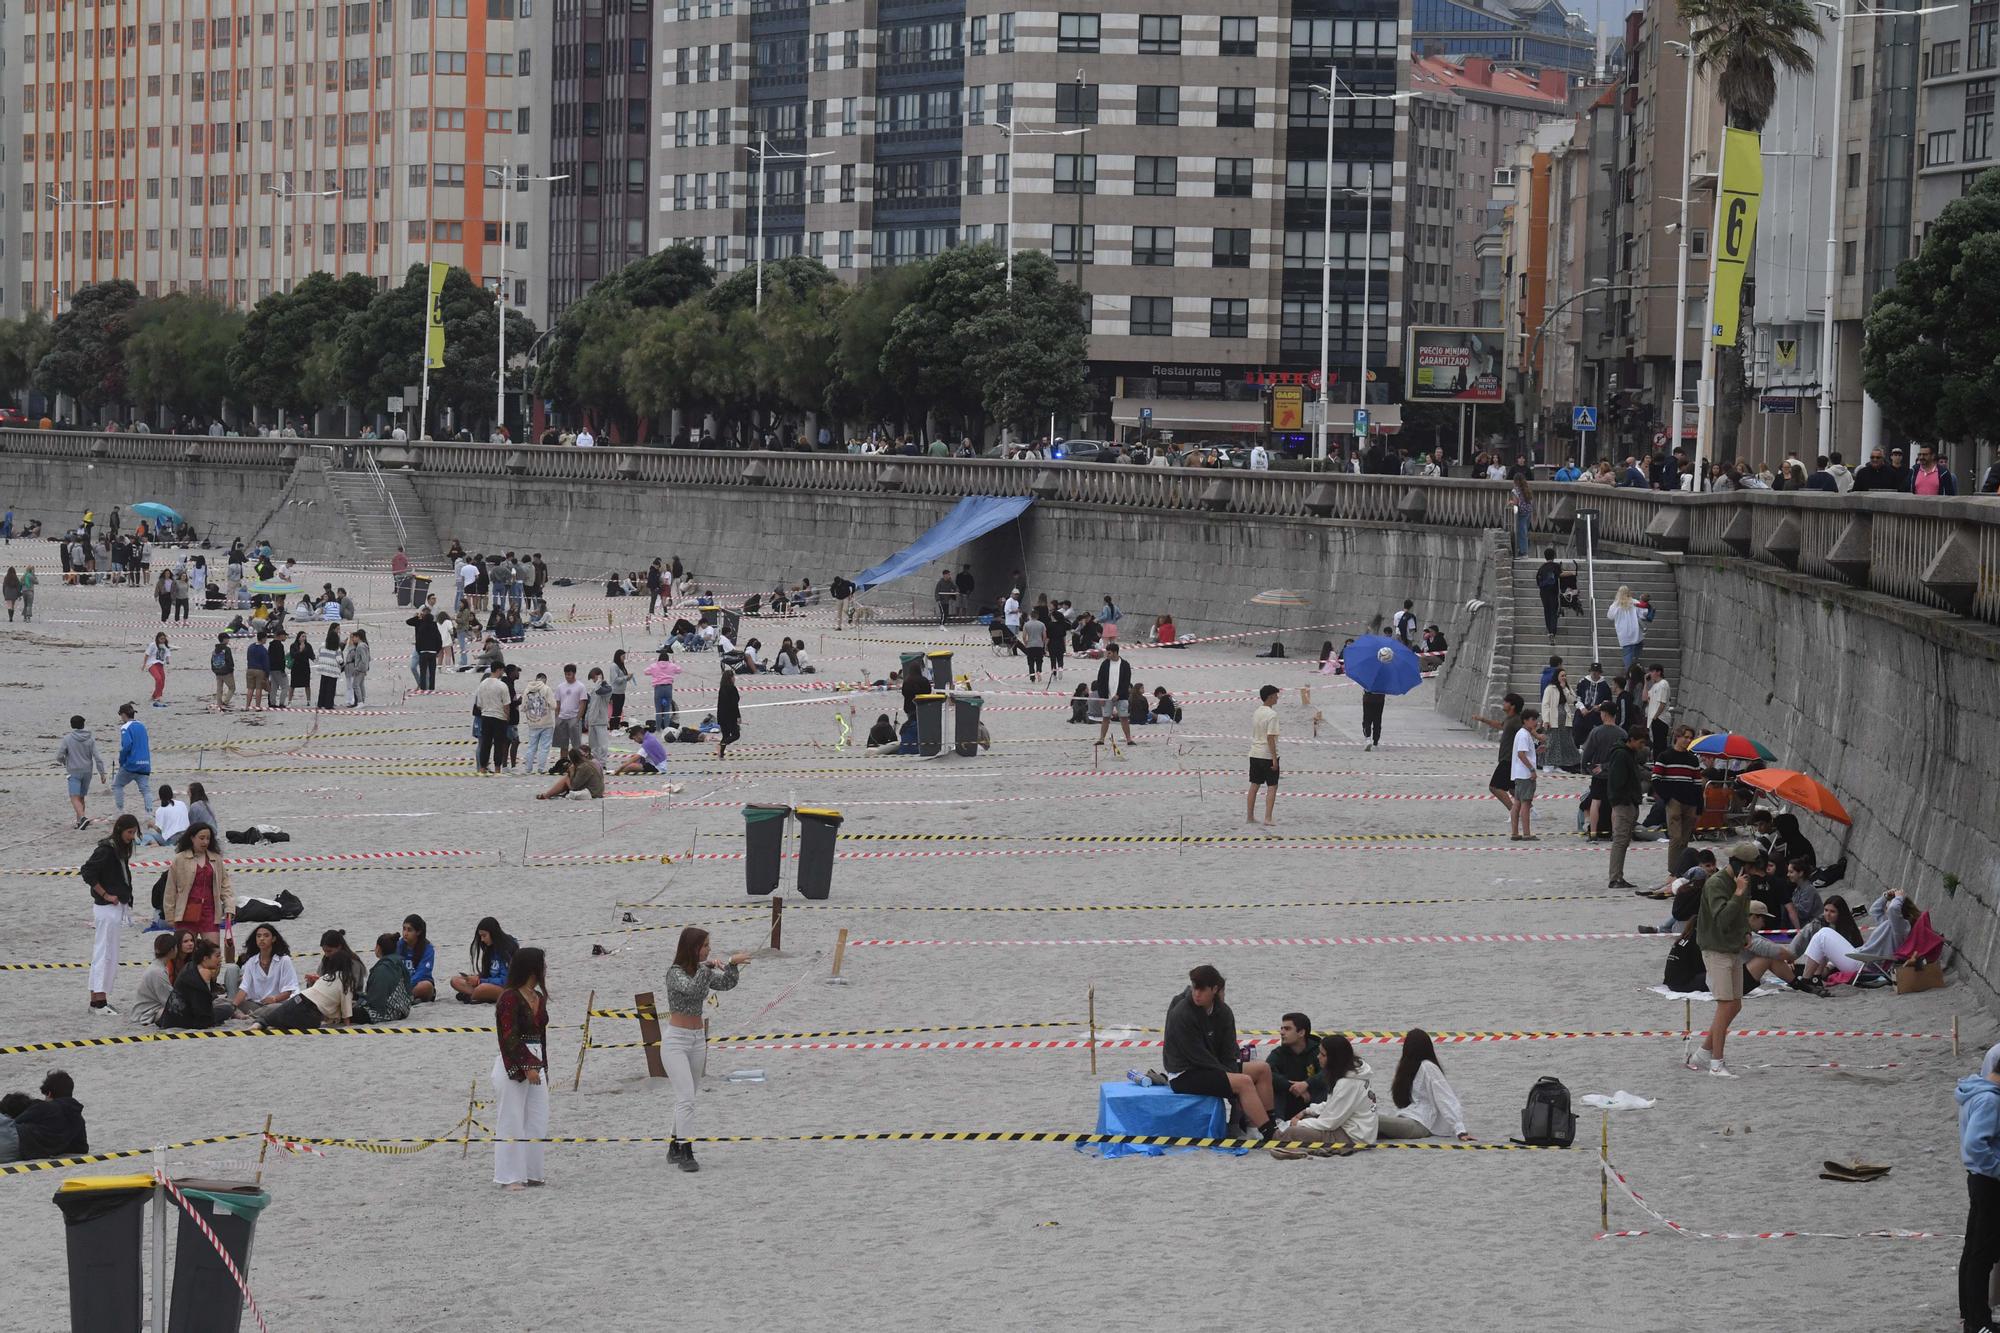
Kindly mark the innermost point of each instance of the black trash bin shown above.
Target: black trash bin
(940, 664)
(965, 723)
(420, 588)
(819, 830)
(763, 846)
(732, 626)
(930, 724)
(206, 1298)
(1585, 533)
(904, 660)
(104, 1230)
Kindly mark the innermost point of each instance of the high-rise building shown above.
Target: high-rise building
(230, 154)
(1536, 34)
(601, 135)
(1175, 163)
(10, 156)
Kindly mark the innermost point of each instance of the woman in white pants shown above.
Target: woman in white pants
(684, 1046)
(520, 1071)
(108, 876)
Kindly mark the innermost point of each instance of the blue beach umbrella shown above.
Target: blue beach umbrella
(1381, 665)
(159, 513)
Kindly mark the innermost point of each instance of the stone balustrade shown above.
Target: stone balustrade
(1938, 552)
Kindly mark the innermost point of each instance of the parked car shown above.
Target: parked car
(13, 416)
(1087, 451)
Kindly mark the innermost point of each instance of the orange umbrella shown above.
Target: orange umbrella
(1800, 790)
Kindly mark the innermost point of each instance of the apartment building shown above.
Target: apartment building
(1533, 34)
(1174, 162)
(230, 154)
(1467, 117)
(600, 137)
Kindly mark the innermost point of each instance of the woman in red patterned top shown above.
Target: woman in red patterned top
(520, 1071)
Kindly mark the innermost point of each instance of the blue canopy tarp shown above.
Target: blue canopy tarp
(972, 517)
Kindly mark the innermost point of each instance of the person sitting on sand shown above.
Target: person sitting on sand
(1425, 1103)
(268, 977)
(1295, 1071)
(1164, 705)
(584, 775)
(652, 756)
(1346, 1117)
(1831, 948)
(53, 1126)
(905, 741)
(328, 998)
(386, 996)
(157, 985)
(1199, 1026)
(492, 953)
(1079, 703)
(194, 1003)
(882, 733)
(419, 957)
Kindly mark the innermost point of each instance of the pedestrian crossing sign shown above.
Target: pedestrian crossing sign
(1583, 418)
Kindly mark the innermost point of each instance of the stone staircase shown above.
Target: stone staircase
(1531, 647)
(373, 526)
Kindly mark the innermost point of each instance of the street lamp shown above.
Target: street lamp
(1599, 287)
(1826, 336)
(1681, 259)
(55, 304)
(764, 156)
(1329, 91)
(281, 214)
(505, 171)
(1012, 132)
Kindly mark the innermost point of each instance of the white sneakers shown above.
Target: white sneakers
(1717, 1069)
(104, 1010)
(1699, 1061)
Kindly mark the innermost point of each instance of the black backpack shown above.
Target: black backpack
(841, 588)
(1546, 1121)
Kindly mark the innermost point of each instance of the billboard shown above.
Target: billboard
(1288, 408)
(1455, 366)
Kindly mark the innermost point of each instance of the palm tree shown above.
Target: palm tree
(1742, 42)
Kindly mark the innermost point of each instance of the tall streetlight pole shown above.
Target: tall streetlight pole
(55, 304)
(762, 152)
(505, 171)
(1840, 16)
(1012, 132)
(281, 215)
(1330, 91)
(1681, 259)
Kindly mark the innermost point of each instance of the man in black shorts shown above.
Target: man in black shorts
(1509, 722)
(1193, 1064)
(1263, 755)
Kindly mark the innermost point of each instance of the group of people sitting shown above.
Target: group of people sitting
(749, 659)
(1144, 709)
(50, 1127)
(190, 985)
(1309, 1095)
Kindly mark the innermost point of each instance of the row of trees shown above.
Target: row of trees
(942, 344)
(328, 341)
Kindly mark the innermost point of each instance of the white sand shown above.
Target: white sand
(909, 1235)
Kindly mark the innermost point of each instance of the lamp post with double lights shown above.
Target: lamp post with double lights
(281, 214)
(1013, 157)
(508, 178)
(1330, 90)
(55, 303)
(765, 155)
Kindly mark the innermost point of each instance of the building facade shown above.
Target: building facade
(1175, 163)
(231, 154)
(1533, 34)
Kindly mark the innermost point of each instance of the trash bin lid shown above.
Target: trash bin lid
(757, 814)
(128, 1181)
(922, 697)
(832, 817)
(972, 699)
(938, 652)
(819, 814)
(234, 1196)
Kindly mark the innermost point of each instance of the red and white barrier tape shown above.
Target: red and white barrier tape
(1617, 1178)
(1247, 941)
(201, 1225)
(342, 857)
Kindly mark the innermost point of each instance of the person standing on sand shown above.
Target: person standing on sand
(27, 593)
(1721, 926)
(108, 875)
(520, 1071)
(78, 757)
(728, 713)
(684, 1050)
(1525, 764)
(1978, 1098)
(1263, 756)
(158, 654)
(1509, 722)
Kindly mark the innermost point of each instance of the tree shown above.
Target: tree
(860, 388)
(1744, 42)
(177, 356)
(580, 363)
(86, 354)
(279, 361)
(1932, 353)
(23, 342)
(380, 350)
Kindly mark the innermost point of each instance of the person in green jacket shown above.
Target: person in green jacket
(1721, 927)
(1621, 793)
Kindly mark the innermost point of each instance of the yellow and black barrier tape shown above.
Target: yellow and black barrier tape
(928, 1136)
(123, 1154)
(217, 1034)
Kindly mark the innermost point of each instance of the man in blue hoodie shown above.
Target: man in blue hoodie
(135, 759)
(1979, 1148)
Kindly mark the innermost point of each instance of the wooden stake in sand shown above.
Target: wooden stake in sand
(1092, 1001)
(471, 1104)
(839, 950)
(582, 1049)
(1687, 1018)
(1604, 1177)
(1954, 1036)
(263, 1148)
(649, 1033)
(777, 923)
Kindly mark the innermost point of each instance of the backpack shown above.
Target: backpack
(285, 907)
(1546, 1121)
(218, 661)
(841, 588)
(1547, 577)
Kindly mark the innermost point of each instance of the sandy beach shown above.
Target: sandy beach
(1388, 898)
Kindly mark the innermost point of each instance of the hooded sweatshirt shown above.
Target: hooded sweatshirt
(79, 754)
(1189, 1040)
(1349, 1109)
(1978, 1125)
(52, 1127)
(135, 750)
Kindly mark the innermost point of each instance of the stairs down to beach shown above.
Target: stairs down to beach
(372, 515)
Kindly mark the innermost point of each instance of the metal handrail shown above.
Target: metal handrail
(382, 489)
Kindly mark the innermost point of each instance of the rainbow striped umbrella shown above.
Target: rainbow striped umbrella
(1732, 745)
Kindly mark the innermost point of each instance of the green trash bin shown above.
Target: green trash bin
(104, 1231)
(819, 830)
(965, 723)
(763, 846)
(940, 663)
(206, 1298)
(930, 724)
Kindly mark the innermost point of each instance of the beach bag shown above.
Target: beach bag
(160, 896)
(1546, 1121)
(285, 907)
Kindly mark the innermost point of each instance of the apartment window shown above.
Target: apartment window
(849, 116)
(1003, 172)
(847, 183)
(1239, 37)
(1153, 247)
(846, 250)
(1236, 108)
(1076, 32)
(1229, 318)
(1006, 39)
(975, 105)
(1076, 173)
(975, 174)
(1233, 177)
(1158, 105)
(1978, 120)
(1231, 247)
(1857, 82)
(1152, 317)
(975, 40)
(1854, 171)
(1076, 104)
(1980, 44)
(822, 50)
(1159, 34)
(1698, 242)
(1323, 39)
(1071, 244)
(1938, 148)
(499, 65)
(1943, 57)
(1003, 104)
(681, 128)
(1304, 249)
(1155, 175)
(701, 189)
(1848, 258)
